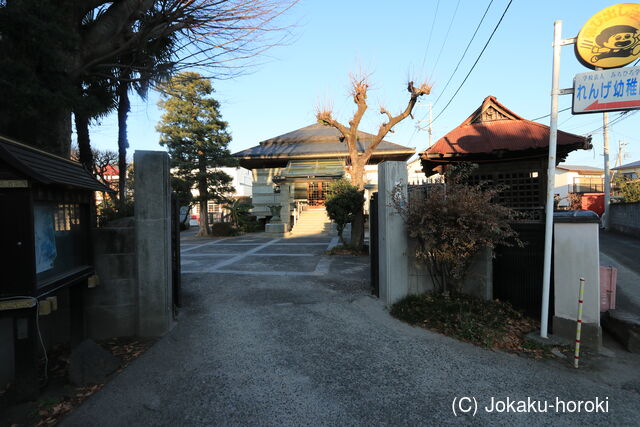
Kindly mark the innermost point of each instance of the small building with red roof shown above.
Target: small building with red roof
(509, 150)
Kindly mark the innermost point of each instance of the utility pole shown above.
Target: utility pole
(607, 175)
(551, 173)
(429, 129)
(621, 145)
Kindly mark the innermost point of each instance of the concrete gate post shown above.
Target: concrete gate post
(153, 242)
(392, 232)
(576, 254)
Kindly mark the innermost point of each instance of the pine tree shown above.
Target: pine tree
(197, 139)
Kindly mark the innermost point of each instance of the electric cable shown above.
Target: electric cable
(547, 115)
(475, 63)
(446, 37)
(463, 54)
(433, 23)
(623, 116)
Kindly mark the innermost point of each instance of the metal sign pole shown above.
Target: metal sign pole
(551, 174)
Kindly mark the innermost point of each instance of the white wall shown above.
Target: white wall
(576, 255)
(564, 184)
(564, 180)
(263, 191)
(241, 182)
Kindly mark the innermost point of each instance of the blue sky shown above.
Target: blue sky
(389, 40)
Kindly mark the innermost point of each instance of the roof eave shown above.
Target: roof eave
(321, 155)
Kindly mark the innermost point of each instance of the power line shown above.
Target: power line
(446, 36)
(565, 121)
(623, 116)
(463, 54)
(542, 117)
(476, 62)
(431, 32)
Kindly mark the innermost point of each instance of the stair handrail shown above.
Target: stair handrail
(299, 207)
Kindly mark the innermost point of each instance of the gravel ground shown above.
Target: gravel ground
(260, 348)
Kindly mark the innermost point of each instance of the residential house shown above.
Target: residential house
(630, 170)
(109, 177)
(293, 171)
(415, 174)
(579, 180)
(242, 185)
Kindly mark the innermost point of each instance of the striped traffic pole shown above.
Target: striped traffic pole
(576, 357)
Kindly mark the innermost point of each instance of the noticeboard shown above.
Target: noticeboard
(606, 90)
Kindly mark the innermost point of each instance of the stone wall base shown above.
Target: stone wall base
(591, 335)
(276, 229)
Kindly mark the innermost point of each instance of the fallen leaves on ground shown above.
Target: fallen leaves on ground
(491, 324)
(50, 413)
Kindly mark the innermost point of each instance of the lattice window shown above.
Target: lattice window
(522, 192)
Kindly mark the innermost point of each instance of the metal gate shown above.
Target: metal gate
(373, 242)
(517, 272)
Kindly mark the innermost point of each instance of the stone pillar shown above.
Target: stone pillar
(576, 254)
(153, 242)
(392, 232)
(111, 308)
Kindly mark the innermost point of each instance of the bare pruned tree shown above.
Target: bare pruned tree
(359, 158)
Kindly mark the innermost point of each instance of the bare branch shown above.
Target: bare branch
(384, 111)
(423, 89)
(326, 118)
(359, 87)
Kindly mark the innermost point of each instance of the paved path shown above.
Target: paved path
(622, 251)
(275, 333)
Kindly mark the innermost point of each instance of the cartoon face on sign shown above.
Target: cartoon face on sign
(611, 38)
(617, 41)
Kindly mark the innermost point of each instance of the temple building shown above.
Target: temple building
(292, 172)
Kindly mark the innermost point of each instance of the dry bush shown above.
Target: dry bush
(452, 222)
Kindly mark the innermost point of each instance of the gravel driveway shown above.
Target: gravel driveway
(275, 333)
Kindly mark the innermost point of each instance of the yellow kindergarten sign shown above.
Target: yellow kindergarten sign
(611, 38)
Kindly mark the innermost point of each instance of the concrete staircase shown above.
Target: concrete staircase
(313, 222)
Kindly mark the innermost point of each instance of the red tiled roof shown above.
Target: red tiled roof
(507, 132)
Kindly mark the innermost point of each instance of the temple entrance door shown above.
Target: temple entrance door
(315, 194)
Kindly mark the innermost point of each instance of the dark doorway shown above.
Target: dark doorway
(517, 272)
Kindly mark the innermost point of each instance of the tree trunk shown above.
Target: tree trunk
(357, 230)
(84, 145)
(123, 142)
(204, 219)
(357, 226)
(202, 189)
(58, 134)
